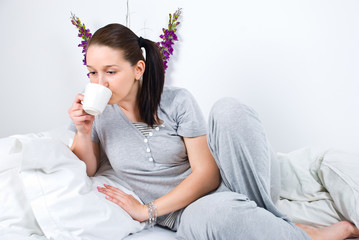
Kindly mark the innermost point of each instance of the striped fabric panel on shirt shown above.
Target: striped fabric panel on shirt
(169, 221)
(144, 128)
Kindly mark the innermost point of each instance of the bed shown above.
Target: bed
(46, 194)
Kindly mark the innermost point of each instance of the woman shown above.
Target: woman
(220, 186)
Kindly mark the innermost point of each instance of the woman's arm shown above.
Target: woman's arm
(205, 177)
(88, 151)
(83, 146)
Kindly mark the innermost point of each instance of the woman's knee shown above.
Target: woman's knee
(229, 109)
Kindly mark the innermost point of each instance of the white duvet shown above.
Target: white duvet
(319, 187)
(45, 193)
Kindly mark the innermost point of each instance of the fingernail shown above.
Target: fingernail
(99, 189)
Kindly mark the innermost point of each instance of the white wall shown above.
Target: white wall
(295, 62)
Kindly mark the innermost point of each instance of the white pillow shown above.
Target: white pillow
(62, 134)
(299, 179)
(16, 214)
(65, 201)
(339, 173)
(303, 197)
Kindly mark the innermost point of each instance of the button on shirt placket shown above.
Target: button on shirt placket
(148, 149)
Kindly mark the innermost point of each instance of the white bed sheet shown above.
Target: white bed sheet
(156, 233)
(298, 204)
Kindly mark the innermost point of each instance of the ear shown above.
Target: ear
(139, 69)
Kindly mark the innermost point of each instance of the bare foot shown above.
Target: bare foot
(314, 233)
(337, 231)
(354, 231)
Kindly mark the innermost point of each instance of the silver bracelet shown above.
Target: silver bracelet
(152, 214)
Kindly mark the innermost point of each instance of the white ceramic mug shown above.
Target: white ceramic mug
(96, 98)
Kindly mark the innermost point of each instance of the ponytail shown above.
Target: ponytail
(152, 82)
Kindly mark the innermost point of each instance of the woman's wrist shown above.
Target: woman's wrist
(152, 214)
(84, 135)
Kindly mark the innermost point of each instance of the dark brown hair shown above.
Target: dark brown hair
(120, 37)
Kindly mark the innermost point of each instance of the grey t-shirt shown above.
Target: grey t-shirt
(152, 165)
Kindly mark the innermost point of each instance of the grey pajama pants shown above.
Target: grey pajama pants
(242, 207)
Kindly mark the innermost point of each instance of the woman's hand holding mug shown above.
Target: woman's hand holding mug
(82, 120)
(85, 107)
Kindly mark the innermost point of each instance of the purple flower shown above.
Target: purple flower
(168, 37)
(165, 53)
(170, 50)
(88, 34)
(84, 33)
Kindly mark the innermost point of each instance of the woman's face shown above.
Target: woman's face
(108, 67)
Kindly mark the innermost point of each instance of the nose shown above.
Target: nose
(102, 80)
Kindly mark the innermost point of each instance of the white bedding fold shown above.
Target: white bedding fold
(319, 187)
(65, 202)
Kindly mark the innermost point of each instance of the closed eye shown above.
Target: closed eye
(111, 72)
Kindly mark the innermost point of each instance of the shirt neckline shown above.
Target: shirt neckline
(122, 114)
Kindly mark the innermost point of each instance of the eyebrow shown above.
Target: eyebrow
(114, 65)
